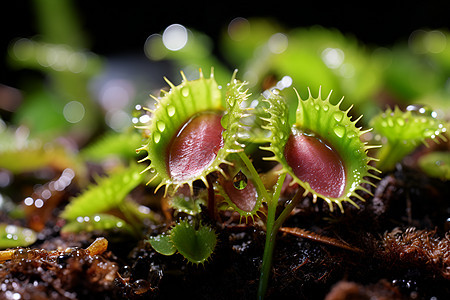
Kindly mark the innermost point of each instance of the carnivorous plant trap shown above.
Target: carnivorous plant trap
(194, 135)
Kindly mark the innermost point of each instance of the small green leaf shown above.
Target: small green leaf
(15, 236)
(162, 244)
(196, 245)
(110, 192)
(98, 222)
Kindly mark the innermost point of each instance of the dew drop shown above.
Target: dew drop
(185, 91)
(339, 131)
(428, 132)
(240, 181)
(401, 122)
(317, 107)
(161, 126)
(420, 109)
(170, 110)
(137, 111)
(351, 134)
(390, 123)
(156, 137)
(140, 286)
(338, 116)
(325, 107)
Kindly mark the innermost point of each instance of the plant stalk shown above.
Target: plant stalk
(272, 229)
(211, 198)
(255, 176)
(392, 153)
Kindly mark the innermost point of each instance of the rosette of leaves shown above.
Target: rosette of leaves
(405, 131)
(321, 149)
(195, 243)
(192, 130)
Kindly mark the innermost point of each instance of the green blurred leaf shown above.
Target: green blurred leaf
(16, 236)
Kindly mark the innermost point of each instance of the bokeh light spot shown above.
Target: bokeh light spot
(333, 57)
(73, 112)
(175, 37)
(239, 29)
(278, 43)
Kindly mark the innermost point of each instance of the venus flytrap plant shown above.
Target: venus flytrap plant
(194, 133)
(323, 153)
(405, 131)
(322, 150)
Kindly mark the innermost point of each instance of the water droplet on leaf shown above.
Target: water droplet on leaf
(401, 122)
(161, 126)
(338, 116)
(240, 181)
(170, 110)
(185, 91)
(156, 137)
(339, 131)
(428, 132)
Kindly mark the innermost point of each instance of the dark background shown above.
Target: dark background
(115, 27)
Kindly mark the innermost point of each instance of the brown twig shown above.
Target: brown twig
(318, 238)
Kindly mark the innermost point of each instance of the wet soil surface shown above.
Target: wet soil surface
(396, 246)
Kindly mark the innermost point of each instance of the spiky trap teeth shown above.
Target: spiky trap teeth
(404, 131)
(322, 150)
(192, 129)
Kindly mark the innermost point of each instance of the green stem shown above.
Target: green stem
(270, 238)
(272, 230)
(288, 209)
(272, 224)
(211, 198)
(131, 218)
(255, 176)
(391, 153)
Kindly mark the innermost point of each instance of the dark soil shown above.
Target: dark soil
(398, 247)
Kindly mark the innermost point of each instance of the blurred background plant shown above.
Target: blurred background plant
(76, 72)
(73, 72)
